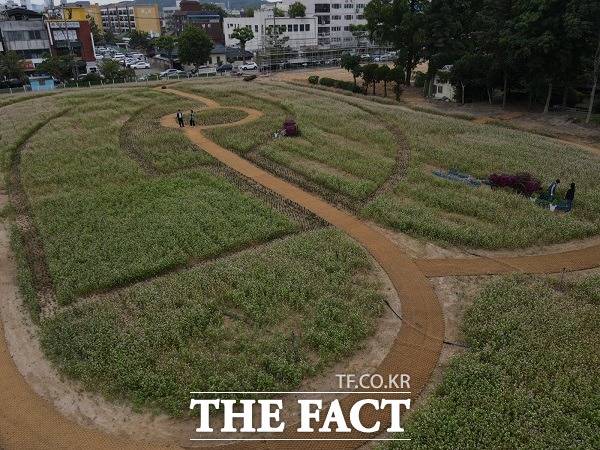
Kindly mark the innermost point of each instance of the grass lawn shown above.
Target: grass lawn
(218, 116)
(117, 199)
(261, 320)
(346, 148)
(530, 378)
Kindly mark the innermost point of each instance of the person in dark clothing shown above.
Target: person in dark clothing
(180, 118)
(570, 196)
(192, 118)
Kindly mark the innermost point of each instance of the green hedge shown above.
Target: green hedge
(339, 84)
(313, 79)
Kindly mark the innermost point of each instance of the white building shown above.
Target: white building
(301, 31)
(442, 89)
(334, 18)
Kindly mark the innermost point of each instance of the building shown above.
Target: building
(300, 32)
(24, 32)
(84, 11)
(334, 19)
(192, 12)
(72, 36)
(123, 17)
(442, 89)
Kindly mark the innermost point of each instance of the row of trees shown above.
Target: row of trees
(531, 46)
(372, 74)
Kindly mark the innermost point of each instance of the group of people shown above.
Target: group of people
(569, 196)
(181, 121)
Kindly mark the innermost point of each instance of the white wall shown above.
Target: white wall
(341, 14)
(264, 19)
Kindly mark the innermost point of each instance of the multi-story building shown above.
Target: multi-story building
(72, 36)
(300, 32)
(334, 19)
(123, 17)
(192, 12)
(24, 32)
(84, 11)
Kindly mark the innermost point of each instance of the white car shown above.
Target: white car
(249, 66)
(171, 72)
(140, 65)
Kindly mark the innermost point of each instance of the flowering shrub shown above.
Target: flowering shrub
(523, 183)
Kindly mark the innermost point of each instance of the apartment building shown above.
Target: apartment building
(192, 12)
(301, 32)
(72, 35)
(123, 17)
(84, 11)
(334, 19)
(24, 32)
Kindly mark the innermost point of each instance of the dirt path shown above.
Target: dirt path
(418, 344)
(28, 421)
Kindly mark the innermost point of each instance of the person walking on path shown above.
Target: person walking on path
(192, 118)
(180, 118)
(552, 189)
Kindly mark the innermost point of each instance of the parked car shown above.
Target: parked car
(249, 66)
(140, 65)
(172, 73)
(225, 68)
(119, 56)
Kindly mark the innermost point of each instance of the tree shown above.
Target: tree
(470, 70)
(110, 69)
(249, 12)
(166, 45)
(11, 65)
(383, 74)
(139, 40)
(583, 29)
(96, 32)
(359, 32)
(352, 64)
(278, 12)
(399, 23)
(109, 37)
(397, 77)
(60, 67)
(369, 75)
(194, 46)
(297, 9)
(243, 34)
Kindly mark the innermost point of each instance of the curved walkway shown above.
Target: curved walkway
(28, 421)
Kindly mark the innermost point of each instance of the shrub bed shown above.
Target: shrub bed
(339, 84)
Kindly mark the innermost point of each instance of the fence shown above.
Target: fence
(102, 82)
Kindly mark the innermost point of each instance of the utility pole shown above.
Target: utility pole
(66, 31)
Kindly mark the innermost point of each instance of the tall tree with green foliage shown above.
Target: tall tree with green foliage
(360, 33)
(397, 77)
(383, 75)
(399, 23)
(11, 65)
(351, 63)
(297, 9)
(278, 12)
(139, 40)
(110, 69)
(369, 75)
(583, 29)
(194, 46)
(166, 45)
(60, 67)
(449, 33)
(243, 35)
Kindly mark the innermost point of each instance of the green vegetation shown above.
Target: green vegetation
(261, 320)
(103, 222)
(166, 150)
(530, 377)
(353, 156)
(219, 116)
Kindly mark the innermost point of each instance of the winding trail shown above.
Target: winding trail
(28, 421)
